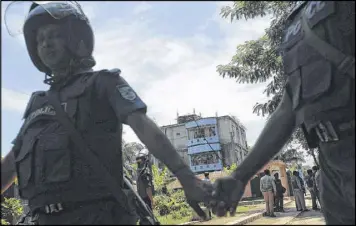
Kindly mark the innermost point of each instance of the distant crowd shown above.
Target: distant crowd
(273, 190)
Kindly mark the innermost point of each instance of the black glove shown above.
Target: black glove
(226, 195)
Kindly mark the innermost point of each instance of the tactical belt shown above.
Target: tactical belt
(332, 132)
(68, 206)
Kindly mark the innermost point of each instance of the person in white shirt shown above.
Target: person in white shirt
(268, 189)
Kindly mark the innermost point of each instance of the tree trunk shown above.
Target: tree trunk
(312, 152)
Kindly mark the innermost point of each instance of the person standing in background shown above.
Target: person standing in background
(207, 179)
(309, 180)
(298, 192)
(144, 178)
(278, 199)
(316, 177)
(268, 189)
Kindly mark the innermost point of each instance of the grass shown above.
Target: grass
(168, 220)
(241, 210)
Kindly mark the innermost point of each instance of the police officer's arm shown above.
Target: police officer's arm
(8, 171)
(274, 135)
(159, 145)
(131, 110)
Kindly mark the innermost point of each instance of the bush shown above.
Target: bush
(10, 208)
(230, 169)
(174, 204)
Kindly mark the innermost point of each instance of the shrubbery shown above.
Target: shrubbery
(172, 202)
(10, 208)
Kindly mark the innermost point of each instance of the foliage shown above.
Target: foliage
(259, 60)
(161, 178)
(171, 204)
(230, 169)
(4, 222)
(313, 152)
(291, 155)
(130, 151)
(11, 207)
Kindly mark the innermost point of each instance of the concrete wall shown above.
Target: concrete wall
(231, 135)
(177, 134)
(233, 139)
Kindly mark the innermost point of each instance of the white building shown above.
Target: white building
(207, 144)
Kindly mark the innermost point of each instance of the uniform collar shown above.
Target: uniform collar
(83, 70)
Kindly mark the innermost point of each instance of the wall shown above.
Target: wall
(233, 140)
(177, 134)
(230, 135)
(204, 145)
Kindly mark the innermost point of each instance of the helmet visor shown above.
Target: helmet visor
(17, 12)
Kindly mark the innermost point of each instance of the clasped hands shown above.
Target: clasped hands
(222, 196)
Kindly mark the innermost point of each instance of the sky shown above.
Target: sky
(168, 53)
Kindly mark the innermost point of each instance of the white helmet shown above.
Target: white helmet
(142, 154)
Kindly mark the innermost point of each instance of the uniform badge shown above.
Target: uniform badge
(127, 92)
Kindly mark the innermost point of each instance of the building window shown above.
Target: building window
(199, 133)
(204, 158)
(178, 134)
(211, 131)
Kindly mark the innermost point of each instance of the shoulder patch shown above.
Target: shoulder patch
(31, 101)
(126, 92)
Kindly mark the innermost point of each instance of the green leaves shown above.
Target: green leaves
(291, 155)
(160, 178)
(230, 169)
(10, 207)
(259, 60)
(245, 9)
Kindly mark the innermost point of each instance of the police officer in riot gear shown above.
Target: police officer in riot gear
(61, 187)
(319, 97)
(144, 177)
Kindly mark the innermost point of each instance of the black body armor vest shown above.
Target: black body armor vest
(49, 168)
(320, 92)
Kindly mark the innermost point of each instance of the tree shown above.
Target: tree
(11, 208)
(291, 155)
(161, 178)
(130, 151)
(231, 169)
(259, 60)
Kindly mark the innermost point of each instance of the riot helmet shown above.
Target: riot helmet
(69, 15)
(142, 155)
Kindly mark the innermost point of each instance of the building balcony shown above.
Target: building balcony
(204, 148)
(207, 167)
(203, 140)
(201, 122)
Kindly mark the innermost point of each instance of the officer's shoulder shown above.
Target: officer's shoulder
(33, 97)
(296, 10)
(108, 76)
(115, 72)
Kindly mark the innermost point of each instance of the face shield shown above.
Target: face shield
(17, 12)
